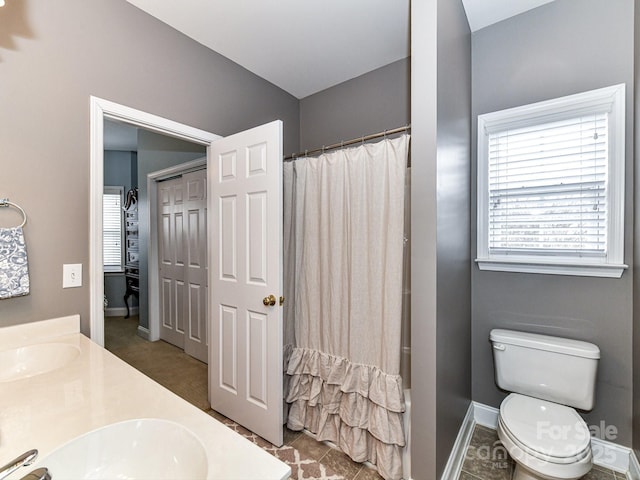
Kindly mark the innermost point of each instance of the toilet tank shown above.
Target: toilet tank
(557, 369)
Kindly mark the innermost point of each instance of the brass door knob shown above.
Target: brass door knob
(269, 301)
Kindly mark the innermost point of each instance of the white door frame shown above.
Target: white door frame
(99, 110)
(152, 195)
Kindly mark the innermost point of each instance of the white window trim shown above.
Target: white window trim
(109, 269)
(611, 99)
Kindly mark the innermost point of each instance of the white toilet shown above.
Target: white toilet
(548, 375)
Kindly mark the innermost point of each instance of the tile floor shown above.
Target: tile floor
(487, 459)
(187, 377)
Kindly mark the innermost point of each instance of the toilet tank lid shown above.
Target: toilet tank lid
(549, 343)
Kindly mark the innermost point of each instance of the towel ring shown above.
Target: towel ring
(4, 202)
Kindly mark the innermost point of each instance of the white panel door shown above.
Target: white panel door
(182, 250)
(245, 270)
(195, 212)
(171, 252)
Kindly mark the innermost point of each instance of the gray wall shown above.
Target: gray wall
(440, 324)
(424, 101)
(636, 241)
(453, 312)
(53, 56)
(155, 152)
(117, 173)
(565, 47)
(374, 102)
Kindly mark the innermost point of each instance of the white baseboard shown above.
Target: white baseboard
(144, 332)
(119, 311)
(634, 467)
(605, 454)
(485, 415)
(456, 458)
(611, 455)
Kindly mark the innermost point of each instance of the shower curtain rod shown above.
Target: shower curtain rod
(366, 138)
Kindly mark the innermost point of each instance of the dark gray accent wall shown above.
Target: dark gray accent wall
(441, 286)
(371, 103)
(117, 172)
(155, 152)
(636, 239)
(562, 48)
(453, 311)
(53, 56)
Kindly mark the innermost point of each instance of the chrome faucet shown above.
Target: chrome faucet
(38, 474)
(23, 460)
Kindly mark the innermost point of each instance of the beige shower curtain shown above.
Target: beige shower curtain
(344, 216)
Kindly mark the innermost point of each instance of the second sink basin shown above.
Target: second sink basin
(31, 360)
(148, 448)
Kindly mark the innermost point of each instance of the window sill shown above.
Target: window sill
(113, 272)
(552, 268)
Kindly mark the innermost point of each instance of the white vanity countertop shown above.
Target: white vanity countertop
(98, 389)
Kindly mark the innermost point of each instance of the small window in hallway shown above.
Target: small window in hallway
(112, 219)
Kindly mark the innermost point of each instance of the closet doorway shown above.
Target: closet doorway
(182, 261)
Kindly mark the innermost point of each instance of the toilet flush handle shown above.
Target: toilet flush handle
(499, 346)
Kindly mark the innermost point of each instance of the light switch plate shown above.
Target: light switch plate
(71, 275)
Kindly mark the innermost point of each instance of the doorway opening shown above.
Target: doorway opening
(100, 110)
(246, 330)
(178, 270)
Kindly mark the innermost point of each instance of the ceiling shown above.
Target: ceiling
(482, 13)
(307, 46)
(300, 46)
(120, 136)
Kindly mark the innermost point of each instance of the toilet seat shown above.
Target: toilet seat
(558, 460)
(545, 430)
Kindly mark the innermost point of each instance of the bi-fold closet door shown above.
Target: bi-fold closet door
(182, 250)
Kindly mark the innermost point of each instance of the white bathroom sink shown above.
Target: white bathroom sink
(134, 449)
(31, 360)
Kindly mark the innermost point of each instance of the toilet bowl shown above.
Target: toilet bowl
(545, 439)
(545, 436)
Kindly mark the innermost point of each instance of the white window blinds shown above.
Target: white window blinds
(547, 188)
(112, 228)
(551, 186)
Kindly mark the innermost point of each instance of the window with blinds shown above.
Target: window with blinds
(112, 229)
(547, 188)
(551, 186)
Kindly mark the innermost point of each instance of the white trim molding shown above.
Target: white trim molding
(634, 467)
(99, 110)
(485, 415)
(456, 458)
(553, 268)
(143, 332)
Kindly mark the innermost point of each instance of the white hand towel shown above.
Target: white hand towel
(14, 269)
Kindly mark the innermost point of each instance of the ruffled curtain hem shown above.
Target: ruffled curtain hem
(358, 407)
